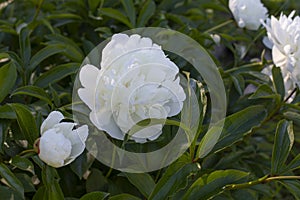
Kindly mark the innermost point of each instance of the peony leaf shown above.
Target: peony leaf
(284, 139)
(8, 77)
(211, 185)
(33, 91)
(142, 181)
(11, 180)
(124, 197)
(146, 13)
(95, 196)
(174, 179)
(26, 122)
(235, 127)
(56, 73)
(278, 81)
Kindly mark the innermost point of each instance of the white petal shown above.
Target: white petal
(88, 77)
(111, 128)
(54, 148)
(53, 118)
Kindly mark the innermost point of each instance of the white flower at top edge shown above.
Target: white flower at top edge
(284, 39)
(248, 13)
(60, 142)
(136, 81)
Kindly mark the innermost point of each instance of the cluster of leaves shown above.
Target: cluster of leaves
(42, 45)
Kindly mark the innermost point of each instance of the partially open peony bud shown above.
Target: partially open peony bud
(60, 143)
(248, 13)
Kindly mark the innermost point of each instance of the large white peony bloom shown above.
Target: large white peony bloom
(60, 143)
(284, 39)
(136, 82)
(248, 13)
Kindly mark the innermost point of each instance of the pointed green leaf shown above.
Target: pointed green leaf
(25, 46)
(8, 77)
(11, 179)
(284, 139)
(170, 183)
(146, 13)
(236, 126)
(95, 196)
(45, 53)
(34, 92)
(130, 11)
(6, 112)
(124, 197)
(22, 163)
(263, 92)
(212, 184)
(26, 122)
(117, 15)
(142, 181)
(278, 81)
(56, 73)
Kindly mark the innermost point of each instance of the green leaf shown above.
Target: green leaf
(34, 92)
(93, 4)
(124, 197)
(170, 183)
(146, 13)
(142, 181)
(212, 184)
(117, 15)
(130, 11)
(293, 116)
(293, 187)
(81, 164)
(56, 73)
(6, 112)
(25, 46)
(239, 83)
(95, 196)
(7, 193)
(263, 92)
(26, 182)
(12, 180)
(284, 139)
(236, 126)
(40, 194)
(22, 163)
(96, 181)
(278, 81)
(295, 163)
(45, 53)
(72, 50)
(50, 180)
(26, 122)
(8, 77)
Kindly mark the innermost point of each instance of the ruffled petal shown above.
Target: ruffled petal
(53, 118)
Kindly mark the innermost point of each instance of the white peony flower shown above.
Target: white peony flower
(60, 143)
(248, 13)
(136, 82)
(284, 39)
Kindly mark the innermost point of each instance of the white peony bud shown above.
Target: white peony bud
(60, 142)
(248, 13)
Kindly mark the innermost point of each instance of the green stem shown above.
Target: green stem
(27, 151)
(265, 179)
(219, 26)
